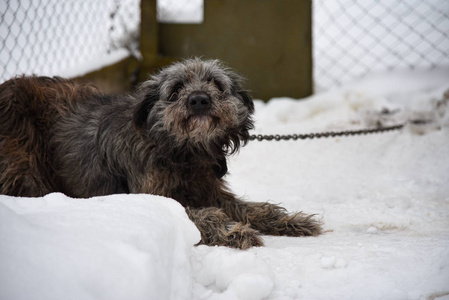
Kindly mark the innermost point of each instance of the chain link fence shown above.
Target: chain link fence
(72, 37)
(64, 37)
(354, 38)
(351, 38)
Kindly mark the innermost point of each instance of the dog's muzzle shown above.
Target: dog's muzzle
(199, 102)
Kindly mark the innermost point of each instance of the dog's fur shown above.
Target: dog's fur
(170, 138)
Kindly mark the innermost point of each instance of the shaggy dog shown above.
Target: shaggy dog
(170, 138)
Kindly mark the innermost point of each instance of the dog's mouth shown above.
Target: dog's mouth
(200, 118)
(202, 122)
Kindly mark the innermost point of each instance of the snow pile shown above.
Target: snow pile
(115, 247)
(384, 200)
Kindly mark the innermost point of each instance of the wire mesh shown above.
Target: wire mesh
(354, 38)
(351, 38)
(54, 37)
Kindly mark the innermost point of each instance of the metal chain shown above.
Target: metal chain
(278, 137)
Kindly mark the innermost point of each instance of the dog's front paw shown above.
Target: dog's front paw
(273, 219)
(242, 237)
(236, 236)
(217, 229)
(298, 224)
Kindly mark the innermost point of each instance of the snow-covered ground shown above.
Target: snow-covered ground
(384, 200)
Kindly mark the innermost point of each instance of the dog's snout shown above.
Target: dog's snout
(199, 101)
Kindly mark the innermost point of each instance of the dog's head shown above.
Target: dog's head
(196, 104)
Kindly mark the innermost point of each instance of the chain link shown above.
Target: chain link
(328, 134)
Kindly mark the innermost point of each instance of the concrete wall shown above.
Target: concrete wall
(268, 41)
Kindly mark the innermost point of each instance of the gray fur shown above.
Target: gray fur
(153, 141)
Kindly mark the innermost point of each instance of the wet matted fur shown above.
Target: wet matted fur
(170, 138)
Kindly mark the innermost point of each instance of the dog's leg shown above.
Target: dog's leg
(22, 172)
(217, 229)
(271, 219)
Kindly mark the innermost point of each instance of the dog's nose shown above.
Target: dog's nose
(199, 102)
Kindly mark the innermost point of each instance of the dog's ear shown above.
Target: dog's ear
(149, 93)
(246, 98)
(238, 90)
(221, 168)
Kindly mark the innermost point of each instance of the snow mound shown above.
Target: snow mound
(114, 247)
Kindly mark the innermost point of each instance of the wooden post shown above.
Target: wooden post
(149, 44)
(149, 40)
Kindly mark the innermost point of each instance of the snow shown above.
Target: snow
(115, 247)
(383, 198)
(104, 60)
(180, 11)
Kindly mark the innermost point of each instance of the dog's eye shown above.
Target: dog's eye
(176, 90)
(216, 82)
